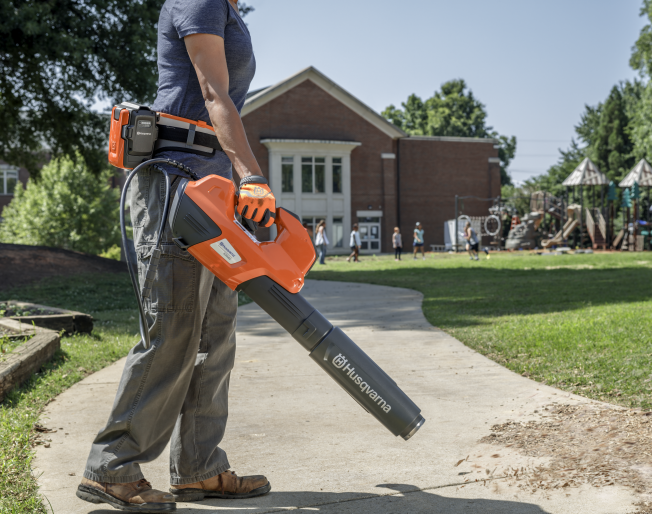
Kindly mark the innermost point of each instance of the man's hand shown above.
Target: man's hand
(256, 201)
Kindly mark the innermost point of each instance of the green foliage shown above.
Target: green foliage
(68, 207)
(109, 298)
(604, 135)
(616, 133)
(641, 58)
(114, 253)
(58, 58)
(454, 111)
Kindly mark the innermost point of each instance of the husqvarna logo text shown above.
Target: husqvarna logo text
(340, 361)
(226, 250)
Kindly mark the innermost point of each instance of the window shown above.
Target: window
(313, 174)
(338, 233)
(8, 179)
(287, 170)
(337, 174)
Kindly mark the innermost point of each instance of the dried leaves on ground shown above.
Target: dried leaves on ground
(596, 445)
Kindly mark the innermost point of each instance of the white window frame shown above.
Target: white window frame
(322, 205)
(5, 170)
(313, 165)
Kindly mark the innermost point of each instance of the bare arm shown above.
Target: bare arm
(206, 53)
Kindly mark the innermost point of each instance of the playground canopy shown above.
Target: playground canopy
(586, 174)
(641, 173)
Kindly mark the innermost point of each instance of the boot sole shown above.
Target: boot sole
(197, 495)
(93, 495)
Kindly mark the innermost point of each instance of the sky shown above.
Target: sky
(534, 65)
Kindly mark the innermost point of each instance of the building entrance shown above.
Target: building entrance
(369, 235)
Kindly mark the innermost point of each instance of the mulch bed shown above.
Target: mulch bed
(594, 445)
(22, 264)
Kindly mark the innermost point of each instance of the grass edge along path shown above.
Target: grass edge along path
(576, 322)
(109, 298)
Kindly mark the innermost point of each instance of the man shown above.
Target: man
(177, 389)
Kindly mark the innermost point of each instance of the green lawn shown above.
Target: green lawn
(578, 322)
(110, 300)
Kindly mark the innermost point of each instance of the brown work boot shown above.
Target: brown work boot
(224, 485)
(133, 496)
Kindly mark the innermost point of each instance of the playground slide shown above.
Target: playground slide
(566, 231)
(569, 227)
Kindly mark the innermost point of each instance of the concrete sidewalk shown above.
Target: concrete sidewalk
(321, 451)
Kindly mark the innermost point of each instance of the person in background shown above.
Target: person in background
(397, 243)
(354, 243)
(321, 241)
(472, 241)
(418, 241)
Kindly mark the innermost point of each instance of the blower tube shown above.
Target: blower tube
(338, 356)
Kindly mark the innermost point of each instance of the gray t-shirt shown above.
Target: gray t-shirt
(179, 93)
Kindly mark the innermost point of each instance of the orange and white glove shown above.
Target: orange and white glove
(256, 201)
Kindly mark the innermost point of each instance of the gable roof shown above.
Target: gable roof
(260, 97)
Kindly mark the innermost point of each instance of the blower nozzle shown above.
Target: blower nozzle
(338, 356)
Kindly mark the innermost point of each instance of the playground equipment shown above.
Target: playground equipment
(571, 224)
(524, 234)
(490, 225)
(589, 175)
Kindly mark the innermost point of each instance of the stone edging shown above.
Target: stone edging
(69, 321)
(24, 360)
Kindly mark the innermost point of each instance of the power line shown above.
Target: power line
(543, 140)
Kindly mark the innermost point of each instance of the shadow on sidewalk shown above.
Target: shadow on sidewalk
(410, 500)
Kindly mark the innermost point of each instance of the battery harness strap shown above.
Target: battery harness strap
(187, 137)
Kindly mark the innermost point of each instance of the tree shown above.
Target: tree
(606, 130)
(453, 111)
(641, 58)
(57, 58)
(605, 135)
(68, 207)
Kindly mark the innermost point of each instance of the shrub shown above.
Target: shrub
(67, 207)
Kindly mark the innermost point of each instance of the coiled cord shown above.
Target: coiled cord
(156, 253)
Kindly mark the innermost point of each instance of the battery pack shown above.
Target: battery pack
(133, 135)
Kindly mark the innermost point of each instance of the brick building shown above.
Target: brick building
(9, 178)
(329, 156)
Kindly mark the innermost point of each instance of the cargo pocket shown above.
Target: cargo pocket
(175, 286)
(139, 198)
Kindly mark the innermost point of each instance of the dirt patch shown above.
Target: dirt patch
(596, 445)
(22, 264)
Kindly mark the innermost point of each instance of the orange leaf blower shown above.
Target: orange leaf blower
(203, 220)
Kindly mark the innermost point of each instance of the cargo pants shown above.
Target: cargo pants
(177, 389)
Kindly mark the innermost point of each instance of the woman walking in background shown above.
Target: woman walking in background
(354, 243)
(397, 243)
(321, 241)
(418, 241)
(472, 241)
